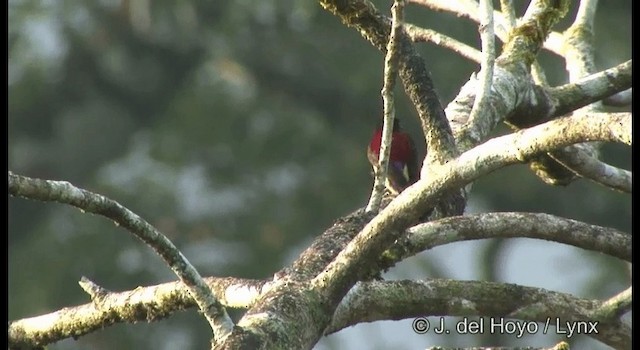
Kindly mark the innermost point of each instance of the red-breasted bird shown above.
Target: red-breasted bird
(403, 168)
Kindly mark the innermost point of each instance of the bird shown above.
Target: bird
(403, 170)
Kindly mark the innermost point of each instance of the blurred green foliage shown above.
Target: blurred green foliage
(238, 128)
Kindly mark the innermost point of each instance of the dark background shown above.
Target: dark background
(239, 129)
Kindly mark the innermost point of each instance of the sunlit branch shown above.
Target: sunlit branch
(395, 300)
(64, 192)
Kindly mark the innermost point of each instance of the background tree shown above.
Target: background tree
(239, 130)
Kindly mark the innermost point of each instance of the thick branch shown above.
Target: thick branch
(386, 300)
(293, 302)
(621, 99)
(143, 304)
(511, 92)
(591, 88)
(579, 62)
(64, 192)
(551, 168)
(510, 225)
(615, 307)
(579, 160)
(512, 87)
(352, 262)
(494, 154)
(512, 95)
(505, 95)
(509, 13)
(527, 38)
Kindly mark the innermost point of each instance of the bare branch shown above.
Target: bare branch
(565, 99)
(510, 225)
(93, 289)
(294, 301)
(418, 34)
(295, 308)
(480, 104)
(539, 77)
(509, 13)
(506, 91)
(518, 147)
(579, 160)
(527, 38)
(470, 9)
(512, 88)
(614, 308)
(390, 71)
(621, 99)
(64, 192)
(591, 88)
(579, 49)
(395, 300)
(513, 94)
(499, 152)
(579, 62)
(143, 304)
(416, 79)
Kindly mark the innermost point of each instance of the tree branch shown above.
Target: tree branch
(395, 300)
(614, 308)
(621, 99)
(385, 228)
(589, 89)
(578, 54)
(512, 88)
(143, 304)
(579, 51)
(509, 13)
(64, 192)
(481, 101)
(297, 306)
(578, 159)
(509, 225)
(513, 96)
(470, 9)
(157, 302)
(362, 15)
(390, 72)
(418, 34)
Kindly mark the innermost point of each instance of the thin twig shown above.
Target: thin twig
(418, 34)
(390, 73)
